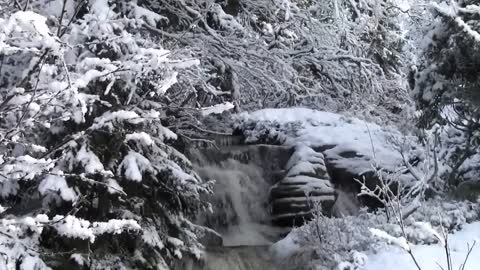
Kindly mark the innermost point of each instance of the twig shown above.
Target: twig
(25, 111)
(64, 6)
(79, 7)
(26, 5)
(210, 131)
(469, 248)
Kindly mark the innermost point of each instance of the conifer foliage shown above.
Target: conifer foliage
(87, 177)
(447, 84)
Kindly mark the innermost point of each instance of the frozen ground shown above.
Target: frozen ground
(431, 257)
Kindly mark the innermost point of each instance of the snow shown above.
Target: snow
(77, 258)
(73, 227)
(177, 243)
(452, 11)
(217, 109)
(22, 167)
(141, 137)
(19, 100)
(150, 237)
(151, 18)
(226, 21)
(304, 154)
(114, 187)
(134, 165)
(323, 128)
(32, 263)
(369, 141)
(107, 118)
(167, 84)
(288, 246)
(397, 241)
(32, 27)
(115, 226)
(304, 167)
(101, 9)
(429, 255)
(468, 29)
(57, 184)
(89, 161)
(183, 64)
(166, 134)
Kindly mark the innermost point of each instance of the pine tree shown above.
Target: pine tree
(88, 178)
(447, 82)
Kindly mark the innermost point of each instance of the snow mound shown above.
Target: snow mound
(432, 256)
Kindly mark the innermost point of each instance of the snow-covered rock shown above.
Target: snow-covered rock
(305, 185)
(347, 148)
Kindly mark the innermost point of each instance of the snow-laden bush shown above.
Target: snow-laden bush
(86, 171)
(336, 242)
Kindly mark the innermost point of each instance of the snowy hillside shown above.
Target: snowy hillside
(195, 134)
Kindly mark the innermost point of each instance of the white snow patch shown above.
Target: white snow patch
(113, 186)
(89, 161)
(288, 246)
(150, 17)
(115, 226)
(78, 259)
(140, 137)
(134, 165)
(429, 255)
(217, 109)
(73, 227)
(398, 241)
(107, 118)
(57, 184)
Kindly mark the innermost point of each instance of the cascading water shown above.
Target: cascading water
(239, 203)
(240, 206)
(239, 258)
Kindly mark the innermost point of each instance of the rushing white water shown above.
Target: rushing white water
(240, 207)
(240, 258)
(346, 204)
(239, 203)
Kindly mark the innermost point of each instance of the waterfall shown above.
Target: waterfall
(239, 203)
(244, 176)
(240, 258)
(240, 214)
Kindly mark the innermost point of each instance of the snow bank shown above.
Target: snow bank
(431, 256)
(288, 246)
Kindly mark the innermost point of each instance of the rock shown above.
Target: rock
(293, 199)
(344, 166)
(271, 158)
(468, 190)
(211, 238)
